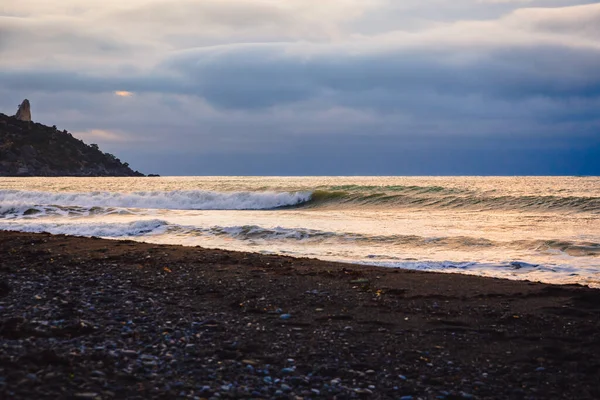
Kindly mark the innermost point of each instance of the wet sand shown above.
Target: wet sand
(98, 319)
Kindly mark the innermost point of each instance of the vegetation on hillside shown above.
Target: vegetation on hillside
(33, 149)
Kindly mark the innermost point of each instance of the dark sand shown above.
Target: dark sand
(90, 318)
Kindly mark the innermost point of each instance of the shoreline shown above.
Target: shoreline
(96, 318)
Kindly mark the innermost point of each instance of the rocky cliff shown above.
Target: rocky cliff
(32, 149)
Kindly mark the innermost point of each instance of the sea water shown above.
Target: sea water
(536, 228)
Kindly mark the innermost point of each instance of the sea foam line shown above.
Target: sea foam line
(155, 227)
(101, 229)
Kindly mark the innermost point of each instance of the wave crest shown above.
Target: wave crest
(434, 197)
(17, 203)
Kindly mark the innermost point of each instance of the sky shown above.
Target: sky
(307, 87)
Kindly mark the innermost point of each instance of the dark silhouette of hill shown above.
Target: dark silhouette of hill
(32, 149)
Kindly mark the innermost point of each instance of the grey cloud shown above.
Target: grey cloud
(580, 20)
(261, 76)
(55, 37)
(214, 13)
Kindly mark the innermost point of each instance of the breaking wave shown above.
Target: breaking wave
(441, 198)
(16, 204)
(21, 203)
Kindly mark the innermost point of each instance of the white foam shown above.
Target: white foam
(173, 200)
(516, 270)
(277, 233)
(15, 210)
(112, 230)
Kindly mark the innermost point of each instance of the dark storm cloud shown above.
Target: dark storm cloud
(255, 77)
(263, 76)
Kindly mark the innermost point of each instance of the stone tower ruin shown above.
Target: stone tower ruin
(24, 111)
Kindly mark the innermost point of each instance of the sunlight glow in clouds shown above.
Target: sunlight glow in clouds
(123, 93)
(100, 135)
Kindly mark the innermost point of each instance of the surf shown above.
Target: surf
(16, 202)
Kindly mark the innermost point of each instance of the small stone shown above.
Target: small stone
(129, 353)
(86, 395)
(149, 363)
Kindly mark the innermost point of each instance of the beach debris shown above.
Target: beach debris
(285, 316)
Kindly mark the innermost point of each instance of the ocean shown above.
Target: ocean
(531, 228)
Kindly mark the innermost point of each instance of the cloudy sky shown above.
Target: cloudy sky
(313, 87)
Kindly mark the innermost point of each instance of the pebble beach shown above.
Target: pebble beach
(88, 318)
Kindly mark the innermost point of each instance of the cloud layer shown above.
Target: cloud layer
(346, 86)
